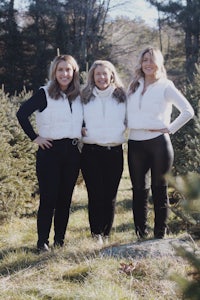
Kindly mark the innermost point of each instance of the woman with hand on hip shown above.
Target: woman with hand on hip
(59, 117)
(102, 155)
(151, 97)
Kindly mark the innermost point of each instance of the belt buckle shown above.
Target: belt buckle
(74, 142)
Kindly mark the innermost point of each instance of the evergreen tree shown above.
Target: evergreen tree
(193, 140)
(38, 47)
(10, 48)
(186, 14)
(189, 186)
(17, 167)
(187, 140)
(29, 39)
(85, 28)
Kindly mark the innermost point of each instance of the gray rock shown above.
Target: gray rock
(152, 248)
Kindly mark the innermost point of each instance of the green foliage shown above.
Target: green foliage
(189, 187)
(17, 179)
(187, 141)
(187, 205)
(193, 142)
(190, 287)
(11, 58)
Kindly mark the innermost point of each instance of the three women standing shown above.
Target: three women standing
(150, 154)
(59, 117)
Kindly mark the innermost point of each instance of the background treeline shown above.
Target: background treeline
(29, 40)
(31, 35)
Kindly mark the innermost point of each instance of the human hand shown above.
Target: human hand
(84, 131)
(43, 142)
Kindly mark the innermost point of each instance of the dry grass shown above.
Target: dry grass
(78, 271)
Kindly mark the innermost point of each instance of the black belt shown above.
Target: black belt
(74, 141)
(98, 147)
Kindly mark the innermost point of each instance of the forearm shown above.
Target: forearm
(36, 102)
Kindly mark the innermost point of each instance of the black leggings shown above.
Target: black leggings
(149, 161)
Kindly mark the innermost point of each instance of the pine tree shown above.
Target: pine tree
(11, 58)
(17, 164)
(187, 140)
(193, 140)
(189, 186)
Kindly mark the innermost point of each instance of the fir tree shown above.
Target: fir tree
(17, 169)
(187, 140)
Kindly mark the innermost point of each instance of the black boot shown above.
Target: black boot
(43, 230)
(161, 203)
(140, 209)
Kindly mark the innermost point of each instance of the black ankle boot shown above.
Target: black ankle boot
(58, 243)
(141, 233)
(159, 233)
(42, 247)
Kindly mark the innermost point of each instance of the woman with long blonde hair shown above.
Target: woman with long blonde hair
(151, 97)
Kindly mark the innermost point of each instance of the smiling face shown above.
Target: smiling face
(149, 68)
(64, 74)
(102, 77)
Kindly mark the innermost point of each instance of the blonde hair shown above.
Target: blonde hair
(119, 93)
(73, 89)
(157, 58)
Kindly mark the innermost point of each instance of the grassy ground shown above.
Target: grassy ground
(78, 270)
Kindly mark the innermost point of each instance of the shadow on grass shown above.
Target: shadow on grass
(75, 207)
(13, 260)
(126, 204)
(124, 227)
(21, 259)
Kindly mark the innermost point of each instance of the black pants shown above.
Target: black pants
(57, 171)
(102, 168)
(149, 161)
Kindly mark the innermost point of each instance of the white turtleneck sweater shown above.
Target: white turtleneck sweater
(104, 119)
(153, 109)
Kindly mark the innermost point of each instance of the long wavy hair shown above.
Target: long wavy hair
(119, 92)
(157, 58)
(73, 89)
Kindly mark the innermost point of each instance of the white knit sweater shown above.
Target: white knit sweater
(57, 121)
(153, 109)
(104, 119)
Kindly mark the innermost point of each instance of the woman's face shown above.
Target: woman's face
(102, 77)
(64, 74)
(149, 68)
